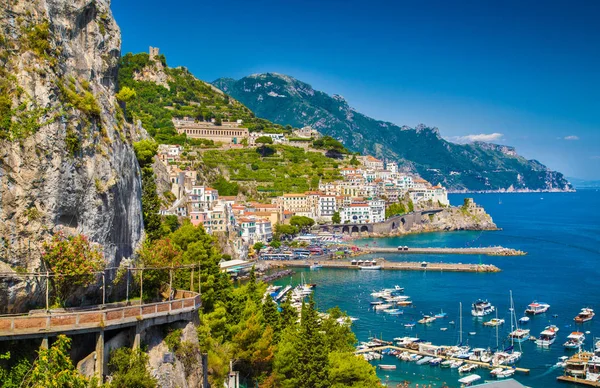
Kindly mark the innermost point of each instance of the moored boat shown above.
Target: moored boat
(384, 306)
(387, 367)
(481, 308)
(537, 308)
(519, 335)
(574, 340)
(494, 322)
(426, 319)
(467, 381)
(440, 315)
(586, 314)
(548, 336)
(524, 320)
(467, 368)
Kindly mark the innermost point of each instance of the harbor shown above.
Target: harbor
(444, 357)
(382, 264)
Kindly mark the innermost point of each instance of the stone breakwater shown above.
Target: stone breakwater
(490, 251)
(389, 265)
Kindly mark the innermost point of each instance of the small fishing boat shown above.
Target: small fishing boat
(426, 319)
(548, 336)
(387, 367)
(467, 368)
(494, 322)
(446, 364)
(536, 308)
(410, 324)
(377, 303)
(468, 381)
(441, 315)
(585, 315)
(472, 333)
(524, 320)
(574, 340)
(443, 328)
(415, 357)
(316, 266)
(370, 267)
(481, 308)
(456, 364)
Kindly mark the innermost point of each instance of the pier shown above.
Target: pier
(575, 380)
(388, 265)
(489, 251)
(478, 363)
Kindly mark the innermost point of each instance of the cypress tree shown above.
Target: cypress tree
(312, 366)
(289, 316)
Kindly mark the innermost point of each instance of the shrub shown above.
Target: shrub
(74, 261)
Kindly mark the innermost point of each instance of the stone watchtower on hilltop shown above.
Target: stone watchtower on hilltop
(153, 52)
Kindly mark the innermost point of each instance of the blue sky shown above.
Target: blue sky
(523, 73)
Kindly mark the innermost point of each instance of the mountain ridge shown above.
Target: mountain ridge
(478, 166)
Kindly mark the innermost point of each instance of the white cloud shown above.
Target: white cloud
(571, 137)
(486, 137)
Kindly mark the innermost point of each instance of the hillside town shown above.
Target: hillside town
(361, 197)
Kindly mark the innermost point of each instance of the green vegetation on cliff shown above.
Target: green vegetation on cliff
(287, 170)
(162, 93)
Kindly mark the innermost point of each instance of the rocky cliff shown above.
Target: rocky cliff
(66, 160)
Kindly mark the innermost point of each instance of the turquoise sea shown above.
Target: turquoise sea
(561, 234)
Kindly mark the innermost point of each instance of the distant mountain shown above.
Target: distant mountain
(479, 166)
(584, 183)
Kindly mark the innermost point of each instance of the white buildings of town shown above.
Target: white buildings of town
(359, 197)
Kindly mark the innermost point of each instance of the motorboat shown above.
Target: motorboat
(519, 335)
(467, 368)
(524, 320)
(456, 364)
(468, 381)
(586, 314)
(537, 308)
(376, 303)
(562, 362)
(415, 357)
(387, 367)
(316, 266)
(393, 311)
(436, 361)
(446, 364)
(476, 354)
(384, 306)
(548, 336)
(370, 267)
(502, 373)
(426, 319)
(440, 315)
(425, 360)
(481, 308)
(380, 294)
(409, 324)
(494, 322)
(574, 340)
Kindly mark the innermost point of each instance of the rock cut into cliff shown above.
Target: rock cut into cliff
(66, 155)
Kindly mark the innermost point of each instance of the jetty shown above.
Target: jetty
(387, 265)
(467, 361)
(575, 380)
(489, 251)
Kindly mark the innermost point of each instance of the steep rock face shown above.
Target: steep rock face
(74, 168)
(478, 166)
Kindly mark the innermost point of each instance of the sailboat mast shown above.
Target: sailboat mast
(460, 327)
(497, 346)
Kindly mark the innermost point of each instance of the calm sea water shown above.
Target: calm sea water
(560, 232)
